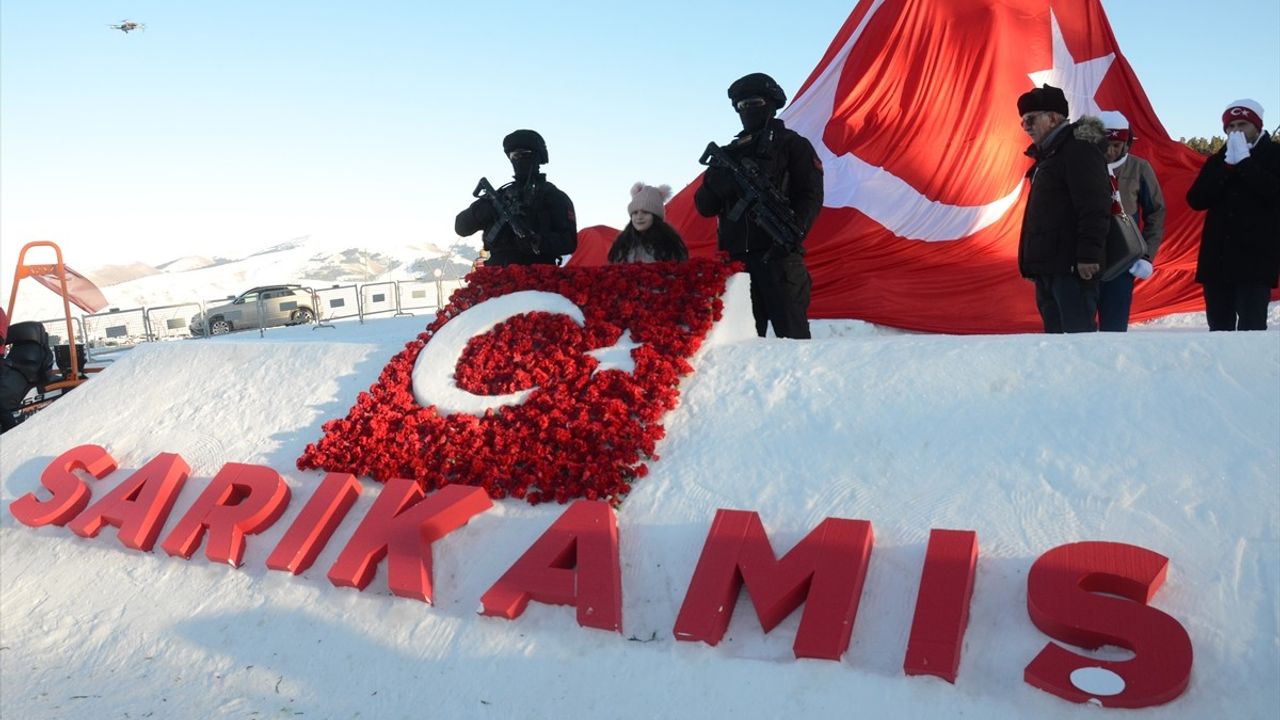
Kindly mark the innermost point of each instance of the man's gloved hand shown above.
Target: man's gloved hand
(1141, 269)
(1237, 148)
(720, 182)
(482, 210)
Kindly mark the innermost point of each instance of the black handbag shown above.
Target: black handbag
(1124, 246)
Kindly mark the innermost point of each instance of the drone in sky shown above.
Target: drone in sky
(127, 26)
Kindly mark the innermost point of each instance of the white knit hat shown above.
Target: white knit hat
(1116, 124)
(649, 198)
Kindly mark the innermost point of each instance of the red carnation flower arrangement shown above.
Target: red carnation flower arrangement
(580, 433)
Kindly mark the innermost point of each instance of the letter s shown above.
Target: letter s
(1063, 600)
(70, 493)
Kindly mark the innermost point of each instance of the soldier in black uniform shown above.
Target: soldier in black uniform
(545, 209)
(780, 282)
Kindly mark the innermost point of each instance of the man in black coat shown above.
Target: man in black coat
(545, 210)
(1068, 215)
(1239, 186)
(780, 282)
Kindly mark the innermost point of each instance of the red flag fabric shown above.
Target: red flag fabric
(593, 246)
(912, 110)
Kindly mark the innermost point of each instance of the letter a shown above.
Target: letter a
(138, 506)
(575, 562)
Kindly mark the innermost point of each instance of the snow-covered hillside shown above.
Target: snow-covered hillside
(315, 262)
(1165, 438)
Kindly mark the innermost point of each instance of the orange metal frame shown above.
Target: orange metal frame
(72, 376)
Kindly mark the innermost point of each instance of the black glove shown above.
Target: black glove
(483, 212)
(721, 183)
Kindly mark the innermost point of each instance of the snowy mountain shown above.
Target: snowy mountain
(307, 261)
(1164, 438)
(108, 275)
(190, 262)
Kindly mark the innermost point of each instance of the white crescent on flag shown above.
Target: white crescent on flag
(850, 182)
(433, 377)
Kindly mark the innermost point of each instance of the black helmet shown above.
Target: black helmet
(757, 85)
(526, 140)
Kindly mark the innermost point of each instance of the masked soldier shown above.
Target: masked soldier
(780, 282)
(543, 226)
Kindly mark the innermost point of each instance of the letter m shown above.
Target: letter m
(825, 571)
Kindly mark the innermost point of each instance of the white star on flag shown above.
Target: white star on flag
(1079, 81)
(617, 356)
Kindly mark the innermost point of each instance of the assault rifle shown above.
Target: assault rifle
(759, 200)
(510, 214)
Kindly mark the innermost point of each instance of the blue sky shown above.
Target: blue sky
(230, 126)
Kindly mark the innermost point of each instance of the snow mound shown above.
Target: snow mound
(1165, 439)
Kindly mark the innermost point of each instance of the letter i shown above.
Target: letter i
(942, 606)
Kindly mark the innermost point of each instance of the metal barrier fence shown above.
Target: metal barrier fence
(117, 327)
(338, 302)
(377, 298)
(57, 329)
(417, 295)
(172, 321)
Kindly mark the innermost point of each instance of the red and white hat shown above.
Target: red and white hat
(1245, 109)
(1117, 125)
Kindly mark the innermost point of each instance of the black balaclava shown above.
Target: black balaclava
(756, 86)
(754, 118)
(524, 166)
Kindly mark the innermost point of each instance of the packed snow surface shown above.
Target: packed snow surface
(1167, 437)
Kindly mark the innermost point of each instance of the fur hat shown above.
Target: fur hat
(1117, 125)
(526, 140)
(1045, 98)
(1245, 109)
(757, 85)
(649, 198)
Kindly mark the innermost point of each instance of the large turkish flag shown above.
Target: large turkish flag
(912, 110)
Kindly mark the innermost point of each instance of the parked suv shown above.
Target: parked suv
(273, 305)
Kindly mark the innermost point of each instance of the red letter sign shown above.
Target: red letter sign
(942, 605)
(1063, 601)
(575, 562)
(311, 531)
(241, 499)
(401, 523)
(139, 505)
(70, 493)
(825, 571)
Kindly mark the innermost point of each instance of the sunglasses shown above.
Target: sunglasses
(519, 154)
(751, 102)
(1030, 118)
